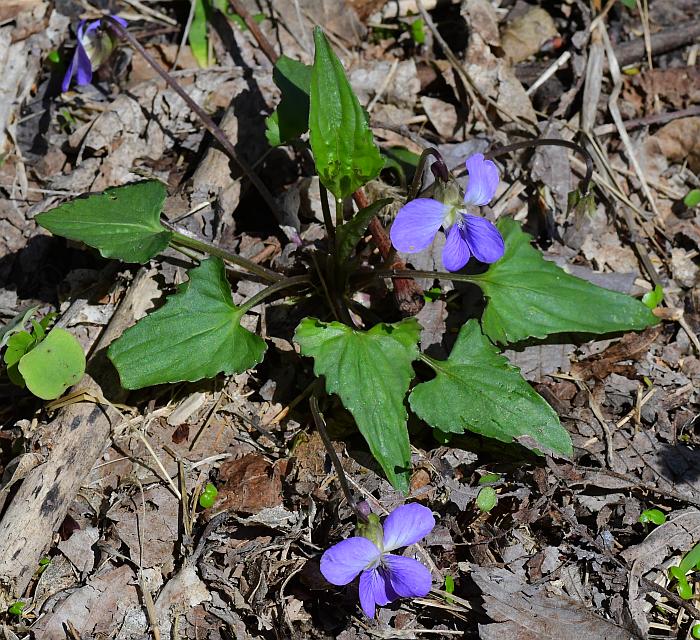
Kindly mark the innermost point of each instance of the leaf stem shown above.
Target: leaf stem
(327, 220)
(182, 238)
(540, 142)
(342, 478)
(418, 175)
(286, 283)
(208, 123)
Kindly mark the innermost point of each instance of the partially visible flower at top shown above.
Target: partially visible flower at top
(384, 577)
(94, 47)
(468, 235)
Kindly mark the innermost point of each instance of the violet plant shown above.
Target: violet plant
(384, 576)
(94, 45)
(365, 358)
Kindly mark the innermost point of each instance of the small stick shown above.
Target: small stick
(259, 36)
(321, 426)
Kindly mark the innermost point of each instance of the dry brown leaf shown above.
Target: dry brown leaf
(442, 115)
(482, 19)
(677, 142)
(250, 484)
(525, 35)
(522, 611)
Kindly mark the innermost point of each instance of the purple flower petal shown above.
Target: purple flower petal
(121, 21)
(70, 72)
(84, 66)
(406, 525)
(484, 239)
(455, 253)
(407, 577)
(483, 180)
(343, 561)
(373, 591)
(416, 224)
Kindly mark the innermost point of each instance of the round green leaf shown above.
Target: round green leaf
(55, 364)
(486, 499)
(692, 199)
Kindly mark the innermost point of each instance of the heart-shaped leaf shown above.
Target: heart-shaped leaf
(123, 222)
(196, 334)
(529, 296)
(370, 371)
(477, 389)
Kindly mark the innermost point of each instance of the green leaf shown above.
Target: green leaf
(291, 118)
(199, 42)
(692, 198)
(370, 371)
(486, 499)
(16, 324)
(123, 222)
(55, 364)
(196, 334)
(348, 235)
(17, 345)
(653, 298)
(529, 296)
(341, 140)
(476, 388)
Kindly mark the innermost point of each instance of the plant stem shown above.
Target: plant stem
(286, 283)
(344, 485)
(208, 123)
(207, 247)
(410, 273)
(418, 176)
(540, 142)
(327, 220)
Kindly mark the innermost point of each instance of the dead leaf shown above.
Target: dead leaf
(482, 19)
(98, 608)
(442, 115)
(250, 484)
(676, 141)
(522, 611)
(525, 35)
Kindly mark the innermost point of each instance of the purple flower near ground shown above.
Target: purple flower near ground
(468, 235)
(93, 48)
(384, 577)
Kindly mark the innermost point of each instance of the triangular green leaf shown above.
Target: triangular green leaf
(123, 222)
(55, 364)
(348, 235)
(341, 140)
(291, 118)
(477, 389)
(370, 371)
(529, 296)
(196, 334)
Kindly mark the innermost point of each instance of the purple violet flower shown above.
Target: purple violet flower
(93, 48)
(384, 577)
(468, 235)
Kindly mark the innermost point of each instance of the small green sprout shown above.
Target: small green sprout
(449, 587)
(652, 515)
(653, 299)
(208, 496)
(490, 478)
(695, 632)
(690, 561)
(16, 608)
(418, 31)
(487, 498)
(692, 199)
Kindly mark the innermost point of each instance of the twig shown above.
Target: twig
(321, 427)
(617, 118)
(654, 118)
(185, 33)
(259, 36)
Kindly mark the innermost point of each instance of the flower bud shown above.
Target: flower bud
(372, 530)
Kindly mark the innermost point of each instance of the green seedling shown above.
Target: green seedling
(490, 478)
(418, 31)
(689, 562)
(16, 608)
(692, 199)
(695, 632)
(653, 298)
(208, 497)
(449, 587)
(652, 515)
(486, 499)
